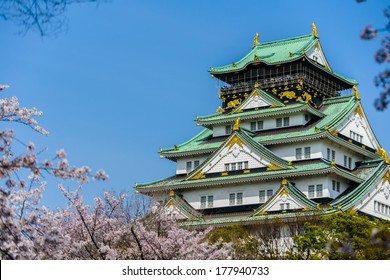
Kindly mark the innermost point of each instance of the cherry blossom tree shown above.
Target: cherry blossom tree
(107, 230)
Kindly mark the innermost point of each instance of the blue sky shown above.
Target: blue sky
(129, 77)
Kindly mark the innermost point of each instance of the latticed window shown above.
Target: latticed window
(262, 196)
(298, 153)
(350, 163)
(319, 190)
(210, 201)
(239, 165)
(345, 161)
(203, 202)
(279, 122)
(286, 121)
(307, 152)
(232, 198)
(239, 198)
(333, 155)
(270, 193)
(328, 154)
(228, 129)
(311, 191)
(246, 165)
(260, 125)
(233, 166)
(253, 126)
(189, 166)
(227, 167)
(196, 163)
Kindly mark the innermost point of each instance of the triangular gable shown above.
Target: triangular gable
(357, 127)
(258, 99)
(375, 201)
(239, 149)
(286, 198)
(316, 54)
(181, 209)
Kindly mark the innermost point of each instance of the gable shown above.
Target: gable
(377, 202)
(286, 198)
(317, 55)
(258, 99)
(357, 128)
(237, 154)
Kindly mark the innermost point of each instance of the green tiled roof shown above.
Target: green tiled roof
(262, 113)
(272, 53)
(175, 182)
(278, 52)
(334, 110)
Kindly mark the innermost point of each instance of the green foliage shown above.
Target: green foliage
(344, 235)
(244, 245)
(309, 246)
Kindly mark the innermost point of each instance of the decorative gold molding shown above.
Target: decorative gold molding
(256, 40)
(246, 171)
(171, 193)
(284, 182)
(386, 178)
(236, 125)
(356, 92)
(273, 167)
(198, 175)
(224, 174)
(314, 30)
(359, 111)
(383, 154)
(235, 140)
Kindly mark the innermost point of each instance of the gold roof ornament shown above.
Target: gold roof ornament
(284, 182)
(219, 110)
(236, 125)
(256, 40)
(176, 148)
(171, 193)
(383, 154)
(314, 31)
(356, 92)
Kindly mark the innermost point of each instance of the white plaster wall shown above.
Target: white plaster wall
(268, 123)
(219, 130)
(221, 194)
(255, 101)
(302, 183)
(287, 151)
(358, 125)
(316, 52)
(233, 155)
(380, 194)
(181, 164)
(340, 152)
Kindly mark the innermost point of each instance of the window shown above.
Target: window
(228, 129)
(262, 196)
(239, 198)
(246, 165)
(270, 193)
(328, 154)
(311, 191)
(333, 155)
(284, 206)
(355, 136)
(307, 152)
(336, 186)
(203, 202)
(306, 117)
(189, 166)
(286, 121)
(232, 198)
(298, 153)
(279, 122)
(227, 167)
(210, 201)
(350, 163)
(239, 166)
(196, 163)
(253, 126)
(260, 125)
(319, 190)
(382, 208)
(233, 166)
(345, 161)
